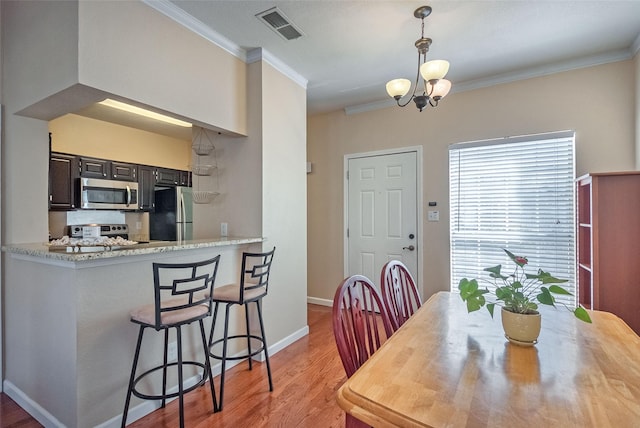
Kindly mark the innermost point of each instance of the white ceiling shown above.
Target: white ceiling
(350, 49)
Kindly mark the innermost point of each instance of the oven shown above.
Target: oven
(96, 193)
(81, 231)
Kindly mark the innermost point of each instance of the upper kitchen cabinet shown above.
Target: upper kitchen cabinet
(185, 178)
(63, 172)
(150, 176)
(168, 177)
(94, 168)
(146, 184)
(106, 169)
(124, 171)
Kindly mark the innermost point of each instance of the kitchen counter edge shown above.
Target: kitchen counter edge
(42, 250)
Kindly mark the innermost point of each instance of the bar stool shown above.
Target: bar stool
(181, 297)
(253, 286)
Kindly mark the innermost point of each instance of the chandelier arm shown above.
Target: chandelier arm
(415, 87)
(429, 95)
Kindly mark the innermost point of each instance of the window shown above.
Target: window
(515, 193)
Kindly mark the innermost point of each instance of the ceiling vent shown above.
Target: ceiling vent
(278, 22)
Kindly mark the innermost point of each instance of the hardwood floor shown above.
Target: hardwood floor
(12, 415)
(306, 376)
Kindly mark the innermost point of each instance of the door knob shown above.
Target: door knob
(410, 248)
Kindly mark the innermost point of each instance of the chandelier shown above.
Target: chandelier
(435, 86)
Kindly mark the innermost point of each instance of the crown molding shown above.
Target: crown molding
(198, 27)
(261, 54)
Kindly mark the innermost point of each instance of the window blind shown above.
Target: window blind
(514, 193)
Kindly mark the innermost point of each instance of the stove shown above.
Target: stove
(95, 230)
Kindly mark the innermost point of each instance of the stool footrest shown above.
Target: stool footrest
(253, 353)
(200, 382)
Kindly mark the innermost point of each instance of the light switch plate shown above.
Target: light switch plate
(223, 229)
(433, 215)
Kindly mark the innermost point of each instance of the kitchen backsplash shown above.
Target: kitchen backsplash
(138, 222)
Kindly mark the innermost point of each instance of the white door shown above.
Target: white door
(382, 213)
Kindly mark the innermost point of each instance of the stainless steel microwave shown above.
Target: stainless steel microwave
(99, 194)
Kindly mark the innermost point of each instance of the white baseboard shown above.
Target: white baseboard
(30, 406)
(147, 406)
(318, 301)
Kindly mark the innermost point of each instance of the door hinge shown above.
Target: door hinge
(347, 174)
(347, 232)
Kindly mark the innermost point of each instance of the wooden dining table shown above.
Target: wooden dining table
(448, 368)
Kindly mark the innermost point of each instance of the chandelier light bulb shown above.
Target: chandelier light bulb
(398, 88)
(434, 69)
(438, 89)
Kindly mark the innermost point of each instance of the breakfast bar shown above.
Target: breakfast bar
(66, 315)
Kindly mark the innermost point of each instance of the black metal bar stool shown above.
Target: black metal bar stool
(182, 293)
(253, 286)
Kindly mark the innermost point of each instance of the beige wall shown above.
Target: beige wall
(162, 64)
(605, 141)
(284, 212)
(90, 137)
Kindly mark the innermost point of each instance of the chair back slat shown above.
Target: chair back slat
(358, 327)
(256, 268)
(399, 292)
(179, 286)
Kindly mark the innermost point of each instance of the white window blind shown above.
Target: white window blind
(514, 193)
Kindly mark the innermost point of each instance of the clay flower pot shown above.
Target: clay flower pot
(521, 329)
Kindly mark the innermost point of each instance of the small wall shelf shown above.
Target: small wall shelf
(204, 196)
(203, 169)
(203, 146)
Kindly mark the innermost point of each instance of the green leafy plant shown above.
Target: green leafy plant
(518, 292)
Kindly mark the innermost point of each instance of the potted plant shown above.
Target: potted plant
(519, 294)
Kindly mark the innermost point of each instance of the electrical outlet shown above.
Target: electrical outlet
(138, 225)
(223, 229)
(172, 351)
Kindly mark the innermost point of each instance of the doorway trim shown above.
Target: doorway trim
(419, 202)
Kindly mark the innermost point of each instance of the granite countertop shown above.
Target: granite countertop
(77, 254)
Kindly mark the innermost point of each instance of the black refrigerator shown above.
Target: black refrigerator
(172, 218)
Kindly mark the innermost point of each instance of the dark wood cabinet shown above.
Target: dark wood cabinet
(185, 178)
(107, 169)
(167, 177)
(63, 174)
(95, 168)
(609, 243)
(124, 171)
(66, 169)
(146, 185)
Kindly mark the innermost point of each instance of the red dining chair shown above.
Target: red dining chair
(399, 292)
(360, 326)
